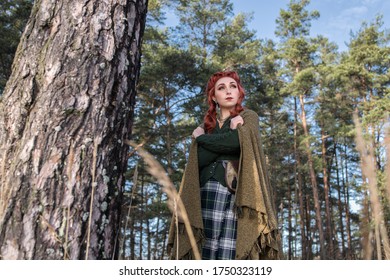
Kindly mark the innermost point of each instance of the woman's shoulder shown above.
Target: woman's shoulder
(249, 113)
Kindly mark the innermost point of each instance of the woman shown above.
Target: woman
(225, 187)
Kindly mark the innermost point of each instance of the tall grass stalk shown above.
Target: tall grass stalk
(174, 201)
(387, 170)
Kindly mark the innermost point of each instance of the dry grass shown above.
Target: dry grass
(94, 160)
(69, 175)
(174, 202)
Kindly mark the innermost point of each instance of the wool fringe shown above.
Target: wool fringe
(266, 245)
(199, 237)
(241, 211)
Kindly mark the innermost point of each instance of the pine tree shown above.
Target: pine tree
(366, 65)
(326, 115)
(293, 28)
(200, 21)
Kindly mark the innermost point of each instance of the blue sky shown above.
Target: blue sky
(337, 17)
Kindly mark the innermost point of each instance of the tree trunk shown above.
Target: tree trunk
(143, 201)
(368, 165)
(131, 242)
(66, 111)
(157, 232)
(290, 227)
(339, 198)
(329, 230)
(163, 243)
(309, 233)
(148, 239)
(298, 180)
(387, 170)
(313, 179)
(347, 215)
(302, 214)
(365, 227)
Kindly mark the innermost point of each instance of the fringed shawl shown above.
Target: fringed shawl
(257, 231)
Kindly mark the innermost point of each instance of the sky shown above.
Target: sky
(337, 17)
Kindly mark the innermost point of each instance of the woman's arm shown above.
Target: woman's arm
(224, 143)
(205, 157)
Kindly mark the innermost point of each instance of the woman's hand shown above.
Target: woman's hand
(197, 132)
(234, 122)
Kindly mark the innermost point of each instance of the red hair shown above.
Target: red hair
(210, 119)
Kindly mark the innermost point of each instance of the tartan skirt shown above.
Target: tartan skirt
(220, 222)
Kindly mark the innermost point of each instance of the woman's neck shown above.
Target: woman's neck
(225, 113)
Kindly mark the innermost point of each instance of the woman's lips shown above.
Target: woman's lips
(229, 98)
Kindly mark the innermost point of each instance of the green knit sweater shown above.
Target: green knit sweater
(222, 144)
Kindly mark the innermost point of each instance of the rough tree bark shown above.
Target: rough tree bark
(66, 111)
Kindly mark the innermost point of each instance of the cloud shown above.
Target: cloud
(369, 2)
(349, 18)
(355, 11)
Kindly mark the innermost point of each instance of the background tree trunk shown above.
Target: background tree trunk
(66, 109)
(317, 206)
(329, 238)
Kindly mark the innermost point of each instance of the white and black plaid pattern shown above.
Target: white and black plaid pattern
(220, 222)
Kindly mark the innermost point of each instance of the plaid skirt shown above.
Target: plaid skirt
(220, 222)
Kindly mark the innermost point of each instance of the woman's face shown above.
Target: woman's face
(226, 92)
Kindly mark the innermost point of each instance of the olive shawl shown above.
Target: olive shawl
(257, 231)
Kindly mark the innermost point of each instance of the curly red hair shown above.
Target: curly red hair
(210, 119)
